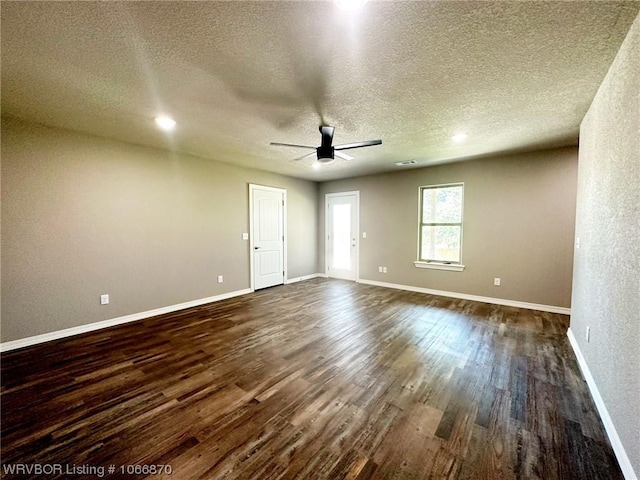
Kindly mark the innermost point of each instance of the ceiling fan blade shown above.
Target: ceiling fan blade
(327, 135)
(344, 156)
(291, 145)
(368, 143)
(304, 156)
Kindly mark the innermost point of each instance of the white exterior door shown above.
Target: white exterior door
(342, 235)
(267, 245)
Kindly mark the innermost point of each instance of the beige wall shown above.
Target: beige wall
(83, 215)
(606, 289)
(519, 214)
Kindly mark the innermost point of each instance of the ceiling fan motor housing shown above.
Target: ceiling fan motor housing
(325, 154)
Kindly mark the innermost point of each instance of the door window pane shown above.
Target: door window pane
(342, 237)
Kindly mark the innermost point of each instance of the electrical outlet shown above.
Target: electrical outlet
(245, 236)
(588, 334)
(379, 269)
(220, 279)
(496, 281)
(384, 269)
(104, 299)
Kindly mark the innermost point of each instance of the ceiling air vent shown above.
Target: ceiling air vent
(406, 162)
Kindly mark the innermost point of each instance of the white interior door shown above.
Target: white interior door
(267, 235)
(342, 235)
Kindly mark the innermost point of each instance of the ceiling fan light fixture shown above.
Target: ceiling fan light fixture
(326, 160)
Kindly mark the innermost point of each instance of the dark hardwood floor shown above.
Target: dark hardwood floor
(321, 379)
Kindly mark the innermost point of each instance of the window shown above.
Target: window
(440, 232)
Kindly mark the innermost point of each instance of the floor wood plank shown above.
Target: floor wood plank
(321, 379)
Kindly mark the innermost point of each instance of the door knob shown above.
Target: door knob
(256, 248)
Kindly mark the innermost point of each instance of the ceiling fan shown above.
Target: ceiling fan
(326, 152)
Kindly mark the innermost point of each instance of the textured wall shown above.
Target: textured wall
(519, 218)
(606, 288)
(83, 215)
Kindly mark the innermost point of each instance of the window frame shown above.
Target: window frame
(439, 264)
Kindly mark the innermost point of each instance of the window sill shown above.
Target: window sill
(455, 267)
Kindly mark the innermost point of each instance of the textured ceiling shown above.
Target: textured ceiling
(238, 75)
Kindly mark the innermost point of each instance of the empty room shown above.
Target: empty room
(339, 239)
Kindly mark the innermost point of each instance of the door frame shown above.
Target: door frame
(252, 187)
(326, 230)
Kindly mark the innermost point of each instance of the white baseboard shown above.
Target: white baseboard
(304, 277)
(618, 448)
(68, 332)
(477, 298)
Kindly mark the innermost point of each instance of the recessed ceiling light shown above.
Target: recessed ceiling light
(165, 123)
(350, 4)
(459, 137)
